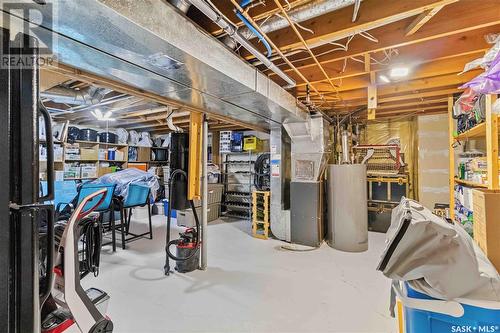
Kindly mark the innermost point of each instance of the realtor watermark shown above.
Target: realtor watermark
(31, 41)
(475, 329)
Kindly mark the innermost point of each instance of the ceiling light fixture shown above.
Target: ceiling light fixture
(103, 117)
(399, 72)
(384, 78)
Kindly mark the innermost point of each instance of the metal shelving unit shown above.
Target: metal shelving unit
(238, 178)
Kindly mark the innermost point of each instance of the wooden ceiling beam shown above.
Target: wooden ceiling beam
(160, 109)
(405, 115)
(419, 71)
(413, 103)
(470, 44)
(406, 87)
(338, 25)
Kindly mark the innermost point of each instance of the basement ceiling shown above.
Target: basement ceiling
(356, 48)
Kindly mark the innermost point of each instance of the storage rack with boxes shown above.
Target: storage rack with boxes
(474, 180)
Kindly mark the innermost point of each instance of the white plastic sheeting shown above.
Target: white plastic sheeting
(124, 178)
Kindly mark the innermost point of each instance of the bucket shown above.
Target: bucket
(165, 209)
(422, 313)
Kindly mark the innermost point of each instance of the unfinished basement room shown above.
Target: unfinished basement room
(250, 166)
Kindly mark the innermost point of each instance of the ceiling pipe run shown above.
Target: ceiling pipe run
(218, 19)
(300, 14)
(87, 96)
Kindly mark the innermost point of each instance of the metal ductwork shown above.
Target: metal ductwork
(232, 32)
(300, 14)
(181, 5)
(148, 50)
(87, 96)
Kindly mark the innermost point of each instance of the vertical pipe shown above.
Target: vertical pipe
(204, 198)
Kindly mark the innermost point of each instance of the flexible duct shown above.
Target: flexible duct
(172, 127)
(181, 5)
(232, 32)
(87, 96)
(300, 14)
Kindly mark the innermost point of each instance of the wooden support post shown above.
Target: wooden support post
(491, 143)
(195, 150)
(368, 62)
(451, 129)
(372, 96)
(216, 148)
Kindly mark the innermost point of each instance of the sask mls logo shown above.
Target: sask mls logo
(475, 329)
(34, 21)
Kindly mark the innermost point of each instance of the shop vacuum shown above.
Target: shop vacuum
(187, 254)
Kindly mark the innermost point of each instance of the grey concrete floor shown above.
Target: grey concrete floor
(250, 285)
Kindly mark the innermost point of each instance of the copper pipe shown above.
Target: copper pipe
(278, 51)
(292, 25)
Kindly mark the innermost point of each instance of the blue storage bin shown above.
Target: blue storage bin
(165, 210)
(423, 313)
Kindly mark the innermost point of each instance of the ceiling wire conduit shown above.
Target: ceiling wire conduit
(218, 19)
(278, 51)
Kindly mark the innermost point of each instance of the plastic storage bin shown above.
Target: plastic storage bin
(214, 194)
(422, 313)
(186, 217)
(165, 209)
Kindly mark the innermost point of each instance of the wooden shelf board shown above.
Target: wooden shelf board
(118, 161)
(469, 183)
(478, 131)
(101, 143)
(79, 178)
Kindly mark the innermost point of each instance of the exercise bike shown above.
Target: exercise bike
(69, 302)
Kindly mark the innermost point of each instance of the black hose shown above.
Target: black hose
(262, 172)
(90, 233)
(169, 243)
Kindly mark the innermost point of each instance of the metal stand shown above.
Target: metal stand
(204, 198)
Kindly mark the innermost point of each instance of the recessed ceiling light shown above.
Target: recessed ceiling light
(384, 78)
(399, 72)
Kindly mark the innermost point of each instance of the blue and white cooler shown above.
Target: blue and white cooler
(442, 281)
(418, 313)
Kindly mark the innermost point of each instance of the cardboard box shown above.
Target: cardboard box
(88, 154)
(88, 171)
(486, 224)
(71, 171)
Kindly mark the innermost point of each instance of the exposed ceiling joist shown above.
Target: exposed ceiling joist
(338, 25)
(422, 19)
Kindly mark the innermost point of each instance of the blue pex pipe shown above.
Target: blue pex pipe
(252, 29)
